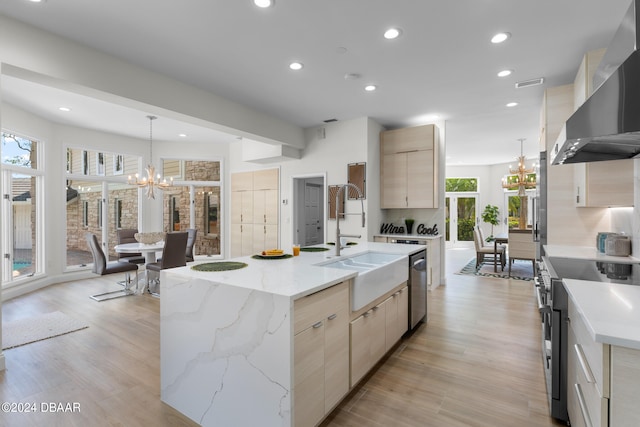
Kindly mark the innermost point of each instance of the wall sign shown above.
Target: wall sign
(400, 229)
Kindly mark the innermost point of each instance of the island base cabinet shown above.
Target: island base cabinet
(321, 353)
(624, 409)
(376, 331)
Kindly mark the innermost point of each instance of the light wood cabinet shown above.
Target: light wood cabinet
(376, 331)
(254, 211)
(433, 263)
(409, 167)
(602, 379)
(321, 353)
(604, 184)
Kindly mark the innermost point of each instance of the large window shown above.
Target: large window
(99, 201)
(21, 227)
(193, 201)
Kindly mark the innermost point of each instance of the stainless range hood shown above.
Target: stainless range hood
(607, 125)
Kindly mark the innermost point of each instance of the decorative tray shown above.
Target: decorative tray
(219, 266)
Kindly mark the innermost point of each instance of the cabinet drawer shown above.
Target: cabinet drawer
(595, 356)
(315, 307)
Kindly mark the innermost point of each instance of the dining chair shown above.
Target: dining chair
(102, 267)
(173, 255)
(482, 250)
(191, 240)
(127, 235)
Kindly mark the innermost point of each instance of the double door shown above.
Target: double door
(460, 217)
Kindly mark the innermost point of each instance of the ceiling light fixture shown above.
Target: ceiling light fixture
(182, 135)
(521, 178)
(151, 181)
(500, 37)
(370, 88)
(504, 73)
(392, 33)
(512, 104)
(264, 3)
(65, 109)
(296, 66)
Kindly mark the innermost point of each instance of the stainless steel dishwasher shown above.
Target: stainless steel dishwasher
(417, 288)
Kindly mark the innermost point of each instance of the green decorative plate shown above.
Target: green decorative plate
(313, 249)
(219, 266)
(283, 256)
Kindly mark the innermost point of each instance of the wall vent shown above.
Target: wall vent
(527, 83)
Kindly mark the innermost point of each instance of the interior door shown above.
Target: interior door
(313, 214)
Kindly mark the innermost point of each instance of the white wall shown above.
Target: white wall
(351, 141)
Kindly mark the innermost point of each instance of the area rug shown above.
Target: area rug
(25, 331)
(520, 270)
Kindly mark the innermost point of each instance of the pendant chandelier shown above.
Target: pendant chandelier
(521, 178)
(151, 181)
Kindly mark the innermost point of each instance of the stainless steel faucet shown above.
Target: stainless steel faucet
(338, 235)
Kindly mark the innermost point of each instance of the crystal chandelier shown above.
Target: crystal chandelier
(151, 181)
(521, 178)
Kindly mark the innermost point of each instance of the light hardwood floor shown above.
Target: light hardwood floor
(476, 363)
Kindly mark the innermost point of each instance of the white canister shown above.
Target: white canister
(618, 245)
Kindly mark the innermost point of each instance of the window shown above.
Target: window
(85, 213)
(100, 164)
(99, 216)
(85, 162)
(194, 201)
(118, 213)
(69, 161)
(22, 212)
(118, 164)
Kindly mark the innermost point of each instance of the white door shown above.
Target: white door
(313, 214)
(461, 217)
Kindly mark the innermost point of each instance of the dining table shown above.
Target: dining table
(501, 238)
(148, 249)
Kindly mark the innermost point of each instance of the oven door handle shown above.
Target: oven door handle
(542, 308)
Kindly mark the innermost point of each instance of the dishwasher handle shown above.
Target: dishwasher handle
(419, 264)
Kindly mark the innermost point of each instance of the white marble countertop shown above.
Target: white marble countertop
(611, 311)
(586, 252)
(410, 236)
(292, 277)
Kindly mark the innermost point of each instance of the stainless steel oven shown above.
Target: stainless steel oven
(553, 306)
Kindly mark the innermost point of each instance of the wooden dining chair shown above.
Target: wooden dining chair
(483, 251)
(102, 267)
(173, 255)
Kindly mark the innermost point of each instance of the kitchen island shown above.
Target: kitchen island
(227, 338)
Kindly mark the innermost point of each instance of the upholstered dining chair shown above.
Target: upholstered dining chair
(102, 267)
(191, 240)
(173, 255)
(482, 251)
(127, 235)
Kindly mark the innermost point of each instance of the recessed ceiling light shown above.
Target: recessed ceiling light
(370, 88)
(65, 109)
(504, 73)
(512, 104)
(263, 3)
(182, 135)
(296, 66)
(37, 1)
(392, 33)
(500, 37)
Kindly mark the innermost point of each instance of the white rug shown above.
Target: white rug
(38, 328)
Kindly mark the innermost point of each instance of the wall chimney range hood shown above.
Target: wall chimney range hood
(607, 125)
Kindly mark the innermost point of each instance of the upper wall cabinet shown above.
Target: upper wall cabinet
(409, 167)
(599, 184)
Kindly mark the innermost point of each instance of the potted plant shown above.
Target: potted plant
(409, 223)
(490, 215)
